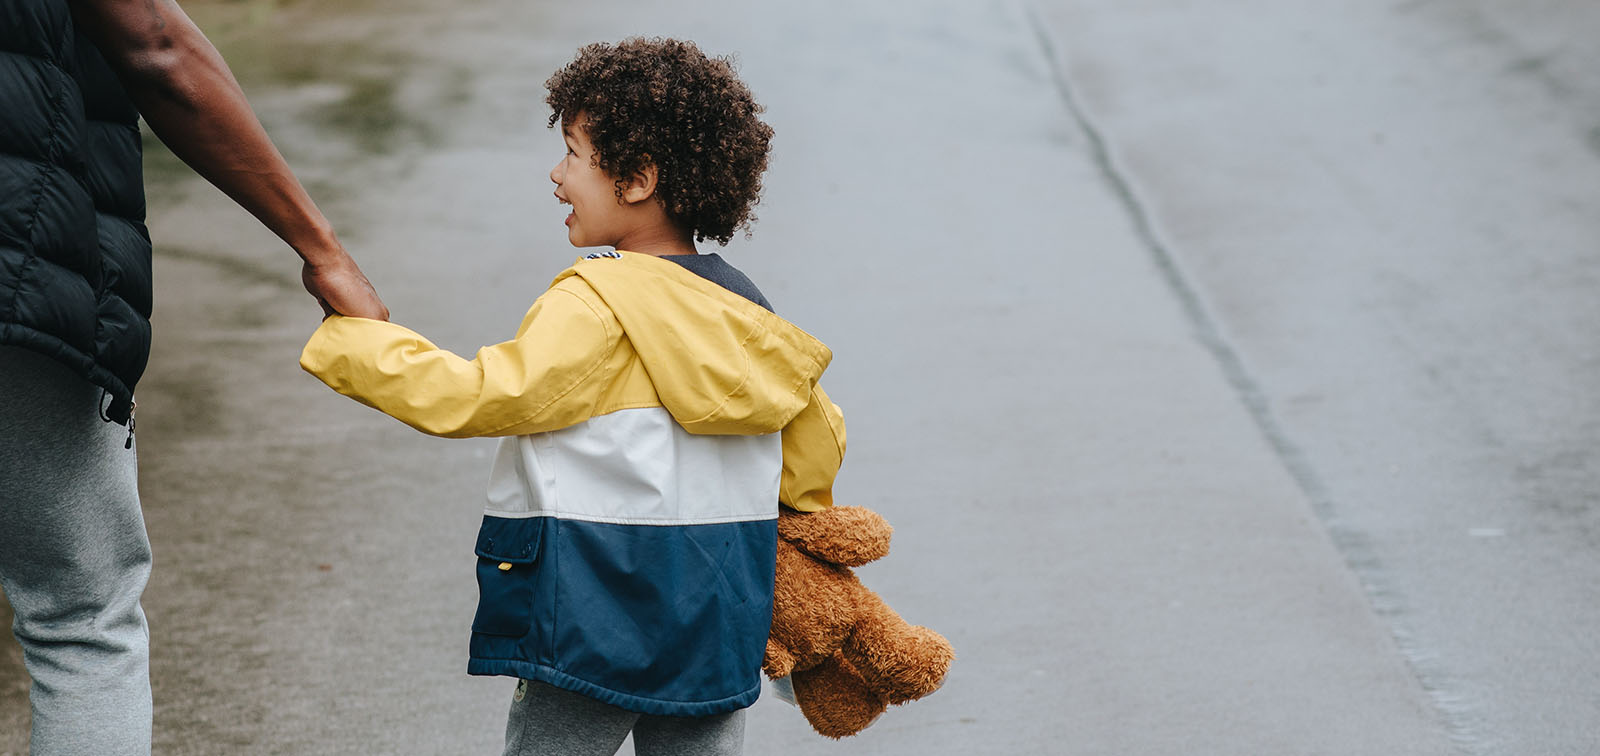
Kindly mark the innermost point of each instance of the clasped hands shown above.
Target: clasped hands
(340, 287)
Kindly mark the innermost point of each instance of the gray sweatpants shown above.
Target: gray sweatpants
(549, 721)
(74, 558)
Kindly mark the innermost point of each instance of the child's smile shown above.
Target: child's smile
(596, 218)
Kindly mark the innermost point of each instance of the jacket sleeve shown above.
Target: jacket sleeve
(813, 450)
(538, 381)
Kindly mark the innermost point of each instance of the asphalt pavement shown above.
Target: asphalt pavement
(1227, 371)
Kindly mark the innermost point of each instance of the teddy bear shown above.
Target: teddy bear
(847, 654)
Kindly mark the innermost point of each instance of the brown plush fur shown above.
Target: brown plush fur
(848, 654)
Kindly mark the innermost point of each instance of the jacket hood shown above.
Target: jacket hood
(720, 363)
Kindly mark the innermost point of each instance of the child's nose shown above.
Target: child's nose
(556, 174)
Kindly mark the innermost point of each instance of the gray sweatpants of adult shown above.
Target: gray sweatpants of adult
(74, 558)
(549, 721)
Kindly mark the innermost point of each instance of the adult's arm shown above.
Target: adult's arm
(187, 95)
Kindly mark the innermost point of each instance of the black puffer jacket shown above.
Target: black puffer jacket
(74, 252)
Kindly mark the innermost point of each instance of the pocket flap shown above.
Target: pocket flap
(507, 540)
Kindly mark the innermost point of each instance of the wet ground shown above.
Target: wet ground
(1228, 374)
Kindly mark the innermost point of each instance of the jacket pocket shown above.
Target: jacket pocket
(508, 553)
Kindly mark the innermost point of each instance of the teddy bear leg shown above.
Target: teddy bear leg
(903, 662)
(834, 698)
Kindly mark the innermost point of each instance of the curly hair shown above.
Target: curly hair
(663, 101)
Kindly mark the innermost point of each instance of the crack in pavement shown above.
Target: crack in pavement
(1450, 703)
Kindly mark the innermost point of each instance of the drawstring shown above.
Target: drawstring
(132, 406)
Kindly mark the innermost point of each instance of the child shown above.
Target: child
(626, 556)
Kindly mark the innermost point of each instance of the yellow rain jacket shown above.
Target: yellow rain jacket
(653, 421)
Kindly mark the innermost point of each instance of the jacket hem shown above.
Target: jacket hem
(733, 519)
(640, 704)
(25, 337)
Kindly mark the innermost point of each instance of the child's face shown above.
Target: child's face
(598, 216)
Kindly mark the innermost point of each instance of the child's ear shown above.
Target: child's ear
(642, 184)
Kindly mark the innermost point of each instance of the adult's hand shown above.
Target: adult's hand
(341, 287)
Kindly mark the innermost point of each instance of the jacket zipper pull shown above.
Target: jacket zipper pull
(131, 407)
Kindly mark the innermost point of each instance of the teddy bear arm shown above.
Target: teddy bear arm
(900, 661)
(778, 662)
